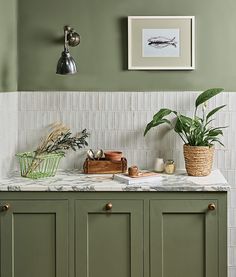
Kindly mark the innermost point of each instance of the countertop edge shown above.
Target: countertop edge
(74, 181)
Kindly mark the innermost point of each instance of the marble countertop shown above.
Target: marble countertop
(72, 180)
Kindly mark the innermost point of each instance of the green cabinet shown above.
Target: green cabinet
(184, 238)
(118, 234)
(109, 242)
(34, 238)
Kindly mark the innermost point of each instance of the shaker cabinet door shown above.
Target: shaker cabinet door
(109, 238)
(34, 238)
(184, 238)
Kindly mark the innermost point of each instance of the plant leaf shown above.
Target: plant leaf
(206, 95)
(214, 111)
(158, 119)
(152, 124)
(217, 140)
(160, 114)
(148, 127)
(178, 126)
(184, 120)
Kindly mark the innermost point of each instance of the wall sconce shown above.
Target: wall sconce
(66, 64)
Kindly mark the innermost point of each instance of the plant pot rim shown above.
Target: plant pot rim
(113, 152)
(198, 146)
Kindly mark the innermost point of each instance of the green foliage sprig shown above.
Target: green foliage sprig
(60, 140)
(195, 131)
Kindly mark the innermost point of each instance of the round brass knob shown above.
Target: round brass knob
(5, 207)
(211, 207)
(108, 206)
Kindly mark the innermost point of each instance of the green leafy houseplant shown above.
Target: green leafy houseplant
(195, 131)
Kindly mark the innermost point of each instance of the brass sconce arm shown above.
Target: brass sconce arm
(71, 37)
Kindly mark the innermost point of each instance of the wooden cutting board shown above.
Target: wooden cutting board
(144, 174)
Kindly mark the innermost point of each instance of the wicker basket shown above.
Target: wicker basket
(38, 167)
(198, 160)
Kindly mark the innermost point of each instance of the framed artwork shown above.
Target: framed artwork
(161, 42)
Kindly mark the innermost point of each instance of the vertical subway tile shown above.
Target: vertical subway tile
(154, 102)
(231, 178)
(232, 101)
(232, 236)
(232, 218)
(231, 256)
(76, 101)
(93, 100)
(127, 100)
(118, 101)
(160, 101)
(134, 101)
(233, 198)
(108, 101)
(101, 101)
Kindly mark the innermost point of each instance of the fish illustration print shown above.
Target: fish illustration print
(162, 42)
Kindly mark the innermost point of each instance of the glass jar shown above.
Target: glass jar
(169, 167)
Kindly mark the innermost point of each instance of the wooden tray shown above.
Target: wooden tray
(103, 166)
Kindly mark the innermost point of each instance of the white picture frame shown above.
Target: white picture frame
(172, 46)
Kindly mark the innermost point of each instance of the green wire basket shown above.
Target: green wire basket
(34, 167)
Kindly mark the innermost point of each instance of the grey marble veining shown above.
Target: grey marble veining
(73, 180)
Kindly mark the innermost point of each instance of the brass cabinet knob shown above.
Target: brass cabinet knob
(5, 207)
(108, 206)
(211, 207)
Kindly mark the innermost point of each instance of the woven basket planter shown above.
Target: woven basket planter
(198, 160)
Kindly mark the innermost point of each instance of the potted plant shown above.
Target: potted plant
(196, 132)
(44, 161)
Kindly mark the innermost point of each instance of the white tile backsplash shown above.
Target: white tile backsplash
(116, 120)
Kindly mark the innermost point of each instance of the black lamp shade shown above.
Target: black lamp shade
(66, 64)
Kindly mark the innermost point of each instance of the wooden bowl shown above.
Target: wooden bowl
(113, 155)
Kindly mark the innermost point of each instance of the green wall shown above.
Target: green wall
(102, 54)
(8, 45)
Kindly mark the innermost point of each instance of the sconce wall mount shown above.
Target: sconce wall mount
(66, 64)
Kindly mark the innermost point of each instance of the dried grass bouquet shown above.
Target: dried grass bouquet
(60, 139)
